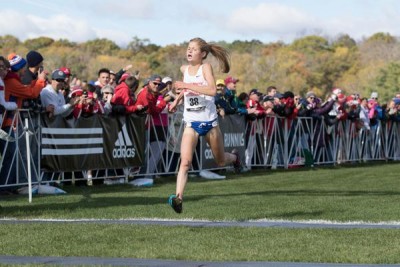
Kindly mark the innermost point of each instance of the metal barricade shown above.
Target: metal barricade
(271, 142)
(20, 157)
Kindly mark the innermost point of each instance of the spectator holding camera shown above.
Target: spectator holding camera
(52, 96)
(284, 104)
(307, 105)
(35, 62)
(393, 109)
(16, 91)
(4, 66)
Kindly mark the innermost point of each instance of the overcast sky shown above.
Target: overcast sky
(166, 22)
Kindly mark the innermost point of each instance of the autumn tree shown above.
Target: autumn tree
(38, 43)
(101, 47)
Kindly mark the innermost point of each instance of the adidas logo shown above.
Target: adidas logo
(124, 146)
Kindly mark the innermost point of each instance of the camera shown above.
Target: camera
(33, 105)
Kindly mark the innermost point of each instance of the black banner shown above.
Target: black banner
(233, 129)
(96, 142)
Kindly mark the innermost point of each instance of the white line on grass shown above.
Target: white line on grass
(207, 223)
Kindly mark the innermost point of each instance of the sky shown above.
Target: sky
(165, 22)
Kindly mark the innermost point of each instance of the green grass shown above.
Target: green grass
(369, 193)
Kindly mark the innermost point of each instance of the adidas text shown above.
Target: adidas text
(124, 152)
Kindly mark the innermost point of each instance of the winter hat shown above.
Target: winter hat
(16, 62)
(34, 58)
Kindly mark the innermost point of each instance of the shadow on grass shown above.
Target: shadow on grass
(86, 202)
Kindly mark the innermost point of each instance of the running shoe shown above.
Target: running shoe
(237, 164)
(176, 203)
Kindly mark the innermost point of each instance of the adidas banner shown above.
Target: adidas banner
(233, 131)
(96, 142)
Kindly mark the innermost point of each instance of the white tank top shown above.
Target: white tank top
(197, 107)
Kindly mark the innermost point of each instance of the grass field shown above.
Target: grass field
(351, 193)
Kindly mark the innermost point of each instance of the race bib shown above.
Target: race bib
(194, 103)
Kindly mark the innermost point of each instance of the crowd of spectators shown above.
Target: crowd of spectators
(26, 84)
(337, 105)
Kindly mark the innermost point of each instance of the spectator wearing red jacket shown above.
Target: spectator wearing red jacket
(124, 100)
(259, 112)
(154, 102)
(16, 92)
(148, 96)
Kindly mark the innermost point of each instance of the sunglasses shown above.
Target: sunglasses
(156, 83)
(60, 80)
(107, 93)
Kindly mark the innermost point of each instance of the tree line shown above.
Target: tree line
(309, 63)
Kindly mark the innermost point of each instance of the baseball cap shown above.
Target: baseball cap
(374, 95)
(167, 80)
(220, 81)
(310, 94)
(254, 91)
(230, 79)
(58, 75)
(66, 70)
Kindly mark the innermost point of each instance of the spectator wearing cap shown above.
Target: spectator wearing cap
(230, 86)
(284, 105)
(4, 66)
(168, 83)
(393, 109)
(159, 126)
(35, 63)
(52, 95)
(364, 111)
(149, 96)
(124, 100)
(113, 81)
(11, 106)
(374, 96)
(230, 83)
(68, 81)
(34, 66)
(254, 103)
(115, 78)
(16, 91)
(91, 102)
(242, 109)
(307, 105)
(224, 99)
